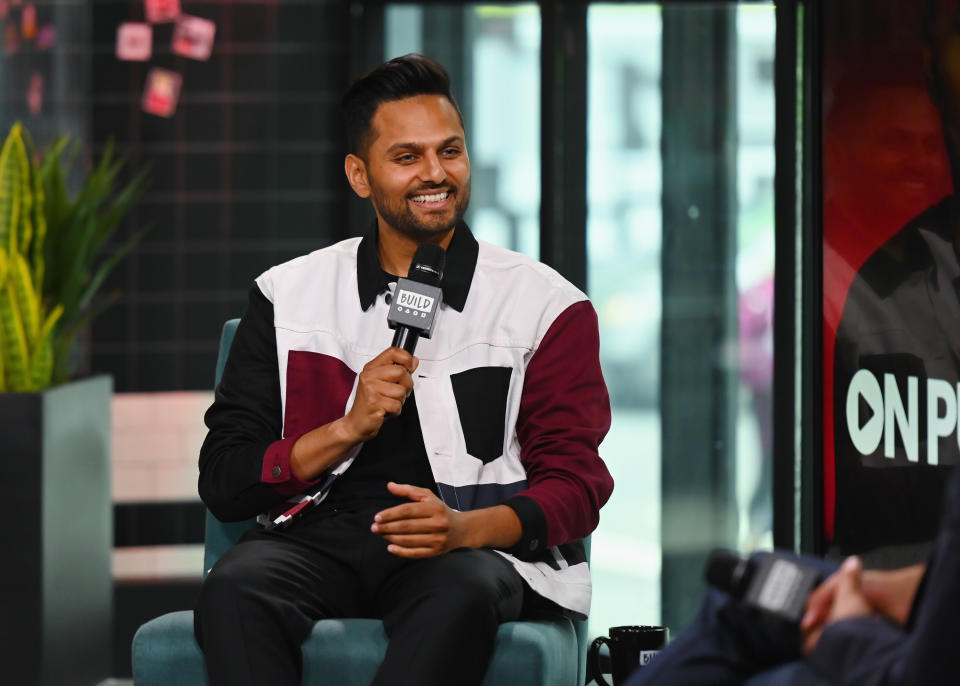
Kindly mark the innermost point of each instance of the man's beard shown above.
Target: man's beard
(407, 223)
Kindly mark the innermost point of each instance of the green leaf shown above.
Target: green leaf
(10, 199)
(16, 340)
(105, 267)
(25, 226)
(41, 366)
(58, 219)
(28, 303)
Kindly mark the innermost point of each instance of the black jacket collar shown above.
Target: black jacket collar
(461, 261)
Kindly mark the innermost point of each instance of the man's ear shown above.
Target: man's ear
(356, 172)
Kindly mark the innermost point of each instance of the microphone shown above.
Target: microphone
(776, 584)
(417, 297)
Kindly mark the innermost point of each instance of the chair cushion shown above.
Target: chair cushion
(348, 651)
(165, 652)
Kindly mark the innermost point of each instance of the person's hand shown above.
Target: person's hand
(839, 597)
(819, 603)
(382, 386)
(891, 593)
(424, 527)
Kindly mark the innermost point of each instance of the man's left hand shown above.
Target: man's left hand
(424, 527)
(846, 600)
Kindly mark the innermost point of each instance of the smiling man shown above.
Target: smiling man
(444, 493)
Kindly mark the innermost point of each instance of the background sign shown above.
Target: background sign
(891, 273)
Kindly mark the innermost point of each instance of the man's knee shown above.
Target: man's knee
(223, 592)
(486, 576)
(472, 586)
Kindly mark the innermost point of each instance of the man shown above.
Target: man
(456, 484)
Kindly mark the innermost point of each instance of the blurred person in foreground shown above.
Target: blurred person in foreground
(901, 324)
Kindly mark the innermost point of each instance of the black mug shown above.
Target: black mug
(630, 647)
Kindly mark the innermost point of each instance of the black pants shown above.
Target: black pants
(441, 614)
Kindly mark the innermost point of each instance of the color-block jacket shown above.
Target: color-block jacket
(509, 391)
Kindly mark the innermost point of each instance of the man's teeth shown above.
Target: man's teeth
(436, 197)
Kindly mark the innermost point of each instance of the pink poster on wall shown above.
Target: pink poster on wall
(193, 37)
(162, 92)
(134, 41)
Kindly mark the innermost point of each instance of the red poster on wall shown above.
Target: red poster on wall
(891, 271)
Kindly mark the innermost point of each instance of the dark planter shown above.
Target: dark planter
(56, 602)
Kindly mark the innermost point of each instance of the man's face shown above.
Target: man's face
(887, 164)
(416, 172)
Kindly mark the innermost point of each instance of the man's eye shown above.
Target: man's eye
(406, 158)
(451, 152)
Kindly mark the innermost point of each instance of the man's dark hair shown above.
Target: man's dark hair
(401, 77)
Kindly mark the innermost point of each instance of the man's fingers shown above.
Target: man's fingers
(810, 640)
(849, 581)
(417, 510)
(387, 376)
(818, 603)
(408, 491)
(415, 524)
(394, 356)
(412, 553)
(852, 566)
(416, 540)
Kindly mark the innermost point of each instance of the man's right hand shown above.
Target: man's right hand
(839, 597)
(891, 593)
(382, 386)
(887, 592)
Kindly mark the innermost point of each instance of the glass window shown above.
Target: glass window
(493, 53)
(624, 237)
(643, 216)
(653, 197)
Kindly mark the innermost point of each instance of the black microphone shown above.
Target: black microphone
(776, 584)
(417, 298)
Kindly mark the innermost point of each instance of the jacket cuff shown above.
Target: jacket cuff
(533, 540)
(276, 468)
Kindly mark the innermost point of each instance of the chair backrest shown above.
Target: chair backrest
(218, 536)
(583, 639)
(221, 535)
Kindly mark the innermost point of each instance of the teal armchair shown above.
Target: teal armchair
(348, 651)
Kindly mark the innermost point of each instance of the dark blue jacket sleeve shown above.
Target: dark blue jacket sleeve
(871, 652)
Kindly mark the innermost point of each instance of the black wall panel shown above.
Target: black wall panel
(246, 174)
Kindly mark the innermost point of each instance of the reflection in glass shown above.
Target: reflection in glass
(625, 236)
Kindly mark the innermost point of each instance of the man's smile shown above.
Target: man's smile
(432, 200)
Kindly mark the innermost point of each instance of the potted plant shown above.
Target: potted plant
(55, 432)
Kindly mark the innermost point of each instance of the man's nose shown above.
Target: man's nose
(433, 170)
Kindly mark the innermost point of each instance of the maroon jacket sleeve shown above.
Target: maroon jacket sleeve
(564, 414)
(244, 460)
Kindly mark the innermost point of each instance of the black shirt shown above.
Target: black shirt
(396, 454)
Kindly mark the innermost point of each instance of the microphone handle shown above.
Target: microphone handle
(406, 338)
